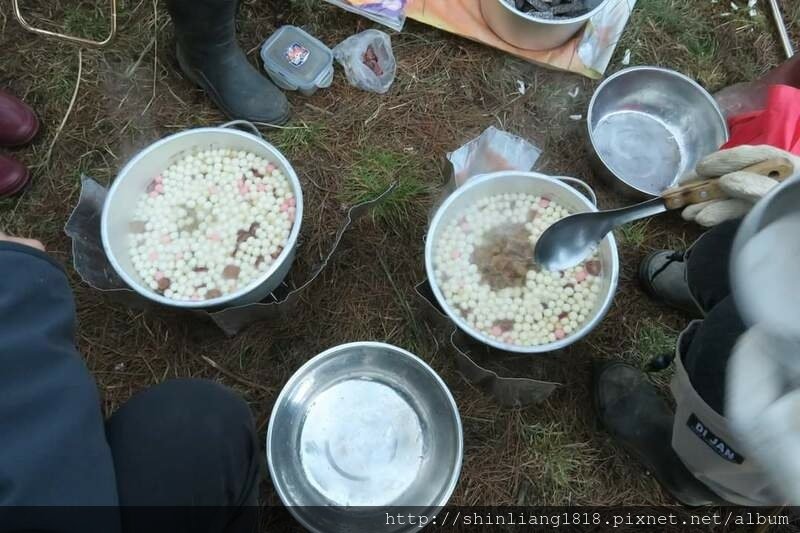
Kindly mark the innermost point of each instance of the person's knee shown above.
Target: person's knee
(184, 442)
(204, 406)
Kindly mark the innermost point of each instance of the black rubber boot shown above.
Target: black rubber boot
(662, 274)
(634, 413)
(210, 56)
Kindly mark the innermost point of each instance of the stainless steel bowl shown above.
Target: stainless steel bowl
(531, 33)
(530, 183)
(648, 126)
(132, 181)
(360, 429)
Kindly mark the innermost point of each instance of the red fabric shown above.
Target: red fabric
(778, 125)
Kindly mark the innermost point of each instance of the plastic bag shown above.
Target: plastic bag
(391, 13)
(368, 60)
(494, 150)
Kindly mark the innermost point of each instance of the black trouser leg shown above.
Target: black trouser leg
(56, 469)
(706, 358)
(186, 443)
(708, 265)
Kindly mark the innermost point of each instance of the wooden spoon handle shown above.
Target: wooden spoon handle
(778, 168)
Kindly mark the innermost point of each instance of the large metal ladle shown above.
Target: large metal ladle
(572, 239)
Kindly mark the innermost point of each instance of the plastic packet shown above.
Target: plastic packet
(391, 13)
(368, 60)
(494, 150)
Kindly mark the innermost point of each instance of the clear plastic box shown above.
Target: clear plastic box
(297, 61)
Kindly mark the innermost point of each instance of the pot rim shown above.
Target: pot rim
(590, 114)
(554, 21)
(582, 332)
(225, 299)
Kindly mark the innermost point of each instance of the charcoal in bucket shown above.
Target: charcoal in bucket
(554, 9)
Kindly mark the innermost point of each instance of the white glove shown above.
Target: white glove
(763, 406)
(744, 188)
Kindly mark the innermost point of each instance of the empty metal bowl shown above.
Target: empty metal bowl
(361, 429)
(648, 126)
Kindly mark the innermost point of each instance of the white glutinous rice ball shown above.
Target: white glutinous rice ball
(483, 263)
(211, 224)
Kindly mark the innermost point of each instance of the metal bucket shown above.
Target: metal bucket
(529, 183)
(531, 33)
(133, 180)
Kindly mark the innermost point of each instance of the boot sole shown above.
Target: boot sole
(212, 93)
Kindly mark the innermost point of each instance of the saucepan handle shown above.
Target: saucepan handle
(243, 125)
(582, 187)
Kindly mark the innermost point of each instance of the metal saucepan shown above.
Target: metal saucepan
(648, 126)
(132, 181)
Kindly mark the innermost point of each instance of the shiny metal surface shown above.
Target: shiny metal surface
(358, 430)
(648, 126)
(132, 181)
(570, 240)
(764, 274)
(786, 41)
(531, 33)
(527, 182)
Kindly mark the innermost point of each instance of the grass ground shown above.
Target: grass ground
(347, 145)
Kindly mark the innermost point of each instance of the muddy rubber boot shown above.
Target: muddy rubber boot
(662, 275)
(210, 56)
(630, 408)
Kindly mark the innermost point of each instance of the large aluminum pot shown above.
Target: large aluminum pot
(133, 179)
(530, 183)
(531, 33)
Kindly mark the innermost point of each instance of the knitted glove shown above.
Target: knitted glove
(744, 188)
(763, 406)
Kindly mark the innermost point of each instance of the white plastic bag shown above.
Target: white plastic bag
(492, 151)
(392, 13)
(368, 60)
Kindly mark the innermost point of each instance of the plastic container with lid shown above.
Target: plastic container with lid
(297, 61)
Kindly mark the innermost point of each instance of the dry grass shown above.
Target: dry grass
(344, 144)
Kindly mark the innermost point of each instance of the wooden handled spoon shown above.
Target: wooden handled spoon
(570, 240)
